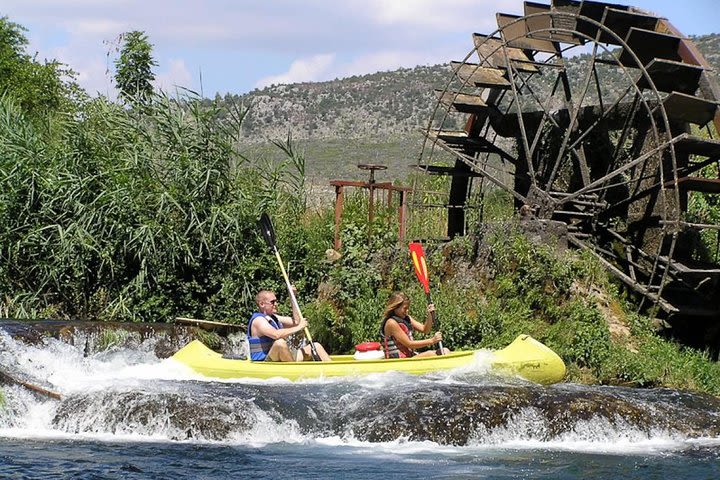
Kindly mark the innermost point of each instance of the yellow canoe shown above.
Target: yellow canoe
(524, 357)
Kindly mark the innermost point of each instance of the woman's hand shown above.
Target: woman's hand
(437, 337)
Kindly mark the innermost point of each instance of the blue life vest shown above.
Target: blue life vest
(260, 346)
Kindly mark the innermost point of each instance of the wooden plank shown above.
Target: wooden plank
(569, 21)
(696, 184)
(10, 379)
(544, 26)
(209, 324)
(514, 30)
(648, 45)
(693, 145)
(620, 21)
(491, 50)
(594, 11)
(445, 170)
(691, 54)
(459, 140)
(566, 6)
(473, 73)
(688, 108)
(462, 102)
(669, 76)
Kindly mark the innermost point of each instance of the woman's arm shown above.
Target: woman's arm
(393, 328)
(427, 326)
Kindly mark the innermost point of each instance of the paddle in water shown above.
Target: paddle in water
(268, 233)
(418, 259)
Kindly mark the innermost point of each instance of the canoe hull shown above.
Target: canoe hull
(524, 357)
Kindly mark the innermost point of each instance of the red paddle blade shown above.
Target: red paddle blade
(418, 258)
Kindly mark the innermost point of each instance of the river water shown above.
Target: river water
(127, 414)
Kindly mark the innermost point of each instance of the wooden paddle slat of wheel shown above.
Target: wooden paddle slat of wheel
(421, 271)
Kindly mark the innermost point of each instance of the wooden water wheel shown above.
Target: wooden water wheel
(600, 116)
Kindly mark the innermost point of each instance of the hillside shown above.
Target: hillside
(361, 119)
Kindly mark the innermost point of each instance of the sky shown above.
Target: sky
(235, 46)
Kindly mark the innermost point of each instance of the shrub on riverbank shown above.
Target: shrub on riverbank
(120, 215)
(489, 292)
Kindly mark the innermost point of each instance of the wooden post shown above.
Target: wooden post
(458, 197)
(401, 220)
(338, 215)
(371, 204)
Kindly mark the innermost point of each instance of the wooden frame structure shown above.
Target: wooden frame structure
(371, 185)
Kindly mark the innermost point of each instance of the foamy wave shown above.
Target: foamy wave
(530, 429)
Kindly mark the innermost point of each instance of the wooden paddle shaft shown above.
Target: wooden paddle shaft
(436, 324)
(268, 234)
(418, 258)
(294, 301)
(209, 324)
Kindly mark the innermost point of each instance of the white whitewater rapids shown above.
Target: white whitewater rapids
(114, 396)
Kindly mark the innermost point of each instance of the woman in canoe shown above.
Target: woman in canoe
(396, 330)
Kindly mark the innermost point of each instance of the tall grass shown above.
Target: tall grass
(122, 215)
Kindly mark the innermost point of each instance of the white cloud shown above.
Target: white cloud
(309, 69)
(90, 66)
(418, 12)
(176, 76)
(448, 15)
(94, 77)
(95, 28)
(239, 42)
(384, 61)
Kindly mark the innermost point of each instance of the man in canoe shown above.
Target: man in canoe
(396, 330)
(267, 332)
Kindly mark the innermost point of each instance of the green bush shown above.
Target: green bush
(583, 336)
(142, 215)
(327, 327)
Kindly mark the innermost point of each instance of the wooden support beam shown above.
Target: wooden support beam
(338, 215)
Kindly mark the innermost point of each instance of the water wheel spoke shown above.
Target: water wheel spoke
(574, 110)
(518, 106)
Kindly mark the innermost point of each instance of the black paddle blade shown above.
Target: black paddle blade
(266, 228)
